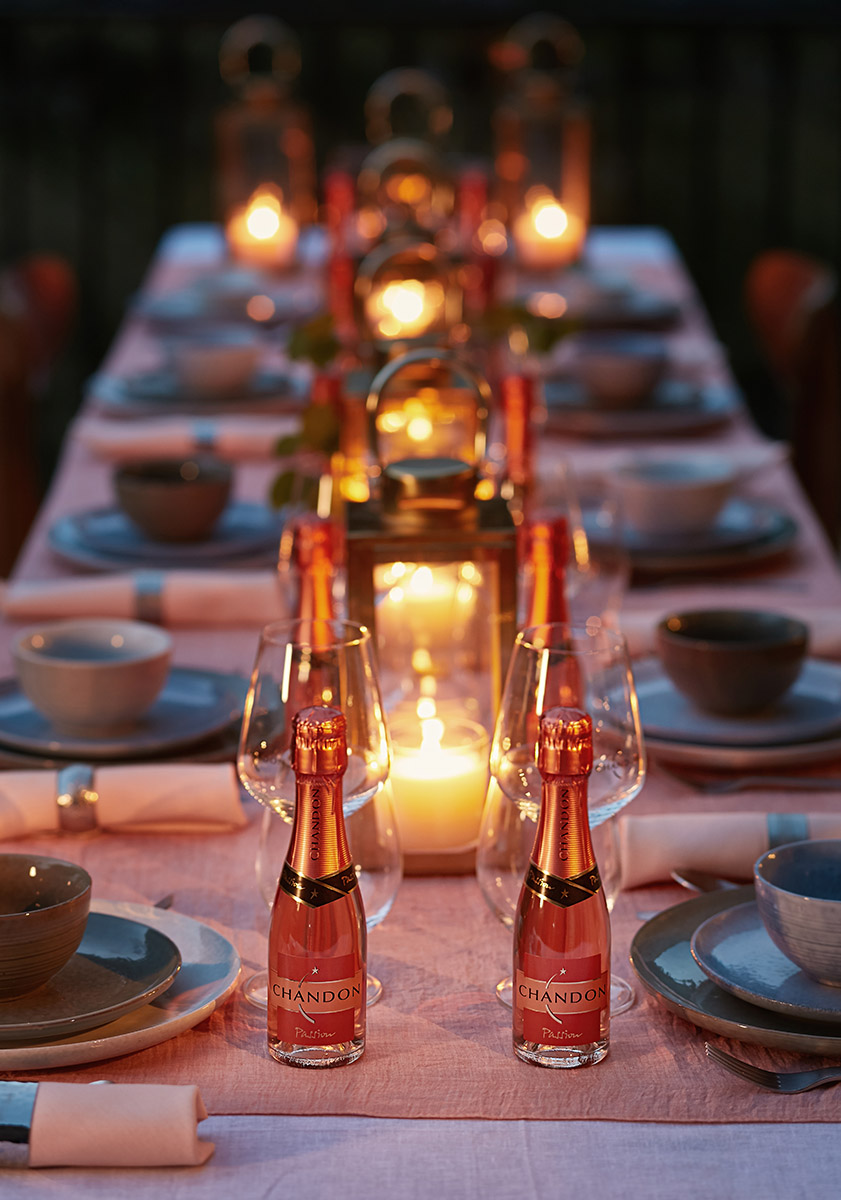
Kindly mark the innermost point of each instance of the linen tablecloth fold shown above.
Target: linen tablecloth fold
(725, 844)
(117, 1125)
(150, 798)
(197, 599)
(235, 438)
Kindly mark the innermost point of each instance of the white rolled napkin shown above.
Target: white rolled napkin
(196, 599)
(147, 798)
(117, 1125)
(725, 844)
(824, 623)
(234, 438)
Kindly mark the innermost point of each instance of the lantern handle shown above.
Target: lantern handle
(412, 83)
(435, 357)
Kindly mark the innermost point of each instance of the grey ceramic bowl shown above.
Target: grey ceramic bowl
(618, 369)
(44, 905)
(732, 661)
(798, 893)
(174, 500)
(92, 676)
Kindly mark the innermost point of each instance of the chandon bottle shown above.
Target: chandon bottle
(562, 930)
(315, 552)
(316, 1009)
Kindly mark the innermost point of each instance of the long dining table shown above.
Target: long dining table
(439, 1105)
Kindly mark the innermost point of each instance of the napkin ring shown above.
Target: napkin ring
(786, 827)
(148, 595)
(76, 799)
(17, 1102)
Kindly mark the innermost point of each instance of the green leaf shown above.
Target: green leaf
(286, 447)
(294, 488)
(315, 341)
(320, 428)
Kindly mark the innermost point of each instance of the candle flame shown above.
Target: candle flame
(550, 219)
(262, 217)
(404, 300)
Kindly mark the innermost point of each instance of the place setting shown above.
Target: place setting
(82, 981)
(757, 964)
(101, 690)
(170, 512)
(614, 383)
(734, 689)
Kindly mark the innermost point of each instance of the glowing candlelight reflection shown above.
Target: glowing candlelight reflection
(547, 234)
(406, 308)
(262, 233)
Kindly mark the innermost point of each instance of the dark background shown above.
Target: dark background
(719, 121)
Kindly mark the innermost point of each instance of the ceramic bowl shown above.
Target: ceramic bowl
(664, 497)
(732, 661)
(798, 893)
(92, 677)
(214, 360)
(618, 370)
(44, 905)
(174, 500)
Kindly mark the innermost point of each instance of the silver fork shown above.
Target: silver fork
(788, 1082)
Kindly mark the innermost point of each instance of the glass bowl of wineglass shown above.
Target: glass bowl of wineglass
(585, 667)
(311, 662)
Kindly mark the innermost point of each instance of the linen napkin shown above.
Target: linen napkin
(725, 844)
(234, 438)
(824, 623)
(117, 1125)
(198, 599)
(149, 798)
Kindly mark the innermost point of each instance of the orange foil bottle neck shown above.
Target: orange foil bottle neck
(563, 846)
(319, 844)
(547, 542)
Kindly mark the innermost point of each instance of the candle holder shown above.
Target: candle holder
(264, 137)
(407, 293)
(407, 183)
(431, 568)
(262, 233)
(542, 142)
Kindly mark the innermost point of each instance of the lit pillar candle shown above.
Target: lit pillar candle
(547, 235)
(406, 307)
(263, 234)
(439, 776)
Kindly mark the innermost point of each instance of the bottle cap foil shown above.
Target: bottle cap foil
(319, 739)
(565, 742)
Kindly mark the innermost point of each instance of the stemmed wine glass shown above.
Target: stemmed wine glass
(300, 663)
(377, 859)
(585, 667)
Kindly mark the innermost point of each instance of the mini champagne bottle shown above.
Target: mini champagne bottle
(562, 929)
(316, 995)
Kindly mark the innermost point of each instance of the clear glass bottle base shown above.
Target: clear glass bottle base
(317, 1056)
(561, 1056)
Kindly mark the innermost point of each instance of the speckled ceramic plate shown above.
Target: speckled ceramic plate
(810, 709)
(662, 959)
(209, 971)
(104, 539)
(734, 949)
(155, 392)
(676, 407)
(120, 966)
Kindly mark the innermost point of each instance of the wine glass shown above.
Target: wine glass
(301, 663)
(585, 667)
(598, 563)
(377, 860)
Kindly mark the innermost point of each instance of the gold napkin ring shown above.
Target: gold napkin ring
(76, 799)
(148, 596)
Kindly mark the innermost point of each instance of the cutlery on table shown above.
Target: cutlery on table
(789, 1082)
(702, 881)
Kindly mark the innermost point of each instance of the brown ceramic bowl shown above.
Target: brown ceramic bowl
(174, 500)
(732, 661)
(44, 905)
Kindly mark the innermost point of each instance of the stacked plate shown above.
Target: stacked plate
(156, 393)
(196, 715)
(803, 727)
(711, 962)
(104, 539)
(675, 406)
(140, 976)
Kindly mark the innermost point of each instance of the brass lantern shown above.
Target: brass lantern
(431, 568)
(264, 138)
(407, 292)
(542, 142)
